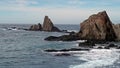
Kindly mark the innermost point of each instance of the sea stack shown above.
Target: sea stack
(35, 27)
(48, 25)
(97, 27)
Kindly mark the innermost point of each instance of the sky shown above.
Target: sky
(60, 11)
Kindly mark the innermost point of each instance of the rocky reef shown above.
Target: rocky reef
(97, 30)
(47, 26)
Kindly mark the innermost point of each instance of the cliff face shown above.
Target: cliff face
(48, 25)
(117, 31)
(98, 27)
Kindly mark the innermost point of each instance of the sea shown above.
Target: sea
(25, 49)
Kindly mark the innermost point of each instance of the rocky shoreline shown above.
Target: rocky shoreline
(98, 30)
(84, 46)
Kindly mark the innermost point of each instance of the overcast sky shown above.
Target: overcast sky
(60, 11)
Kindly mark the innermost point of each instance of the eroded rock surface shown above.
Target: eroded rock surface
(48, 25)
(97, 27)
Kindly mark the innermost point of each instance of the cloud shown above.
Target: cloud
(75, 2)
(60, 11)
(17, 3)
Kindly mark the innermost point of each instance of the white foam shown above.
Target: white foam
(81, 41)
(72, 30)
(97, 57)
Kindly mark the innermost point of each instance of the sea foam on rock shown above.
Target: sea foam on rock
(97, 58)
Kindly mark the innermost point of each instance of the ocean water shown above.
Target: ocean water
(24, 49)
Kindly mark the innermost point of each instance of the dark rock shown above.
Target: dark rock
(62, 54)
(65, 50)
(118, 47)
(106, 47)
(91, 43)
(52, 38)
(51, 50)
(112, 45)
(48, 25)
(65, 31)
(100, 47)
(62, 38)
(97, 27)
(36, 27)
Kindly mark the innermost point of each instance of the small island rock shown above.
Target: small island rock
(36, 27)
(49, 26)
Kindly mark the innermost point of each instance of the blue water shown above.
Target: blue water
(24, 49)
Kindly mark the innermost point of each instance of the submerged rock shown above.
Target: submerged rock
(62, 54)
(48, 25)
(63, 38)
(91, 43)
(65, 50)
(97, 27)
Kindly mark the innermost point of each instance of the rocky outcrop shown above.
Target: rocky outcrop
(117, 31)
(35, 27)
(63, 38)
(97, 27)
(48, 25)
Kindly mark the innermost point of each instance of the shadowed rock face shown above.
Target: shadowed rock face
(97, 27)
(48, 25)
(36, 27)
(117, 31)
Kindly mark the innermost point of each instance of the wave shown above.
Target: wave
(72, 30)
(97, 58)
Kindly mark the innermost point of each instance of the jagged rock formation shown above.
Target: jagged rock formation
(48, 25)
(97, 27)
(117, 31)
(35, 27)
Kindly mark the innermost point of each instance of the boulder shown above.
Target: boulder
(97, 27)
(48, 25)
(35, 27)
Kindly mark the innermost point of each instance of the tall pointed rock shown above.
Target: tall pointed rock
(48, 25)
(97, 27)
